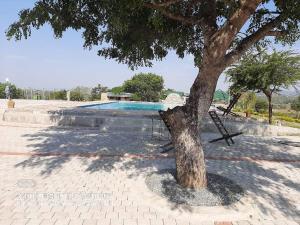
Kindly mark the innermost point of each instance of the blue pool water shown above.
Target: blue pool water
(128, 106)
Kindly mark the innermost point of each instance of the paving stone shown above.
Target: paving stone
(34, 221)
(270, 186)
(130, 222)
(104, 222)
(223, 223)
(76, 222)
(90, 222)
(6, 221)
(19, 221)
(48, 222)
(62, 222)
(241, 222)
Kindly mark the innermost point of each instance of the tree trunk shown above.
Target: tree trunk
(268, 94)
(190, 164)
(185, 124)
(270, 108)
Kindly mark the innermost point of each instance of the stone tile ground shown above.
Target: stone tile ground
(111, 190)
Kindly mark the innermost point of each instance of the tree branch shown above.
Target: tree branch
(276, 33)
(210, 15)
(185, 20)
(227, 33)
(247, 42)
(167, 3)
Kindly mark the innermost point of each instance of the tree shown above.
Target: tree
(80, 94)
(58, 95)
(296, 104)
(15, 92)
(117, 90)
(145, 86)
(216, 33)
(247, 102)
(96, 92)
(261, 105)
(266, 73)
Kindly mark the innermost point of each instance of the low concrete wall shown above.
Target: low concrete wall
(123, 121)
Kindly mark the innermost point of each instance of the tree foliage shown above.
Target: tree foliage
(261, 105)
(58, 95)
(80, 94)
(96, 92)
(117, 90)
(296, 104)
(265, 72)
(247, 101)
(145, 86)
(15, 92)
(139, 31)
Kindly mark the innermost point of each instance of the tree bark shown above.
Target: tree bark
(270, 109)
(185, 122)
(189, 156)
(268, 94)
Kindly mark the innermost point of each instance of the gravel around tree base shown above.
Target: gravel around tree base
(220, 190)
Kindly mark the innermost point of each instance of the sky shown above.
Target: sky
(43, 62)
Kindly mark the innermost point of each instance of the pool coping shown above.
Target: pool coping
(130, 110)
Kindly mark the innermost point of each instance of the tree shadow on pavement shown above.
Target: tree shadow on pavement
(270, 185)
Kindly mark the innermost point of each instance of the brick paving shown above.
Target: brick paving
(65, 188)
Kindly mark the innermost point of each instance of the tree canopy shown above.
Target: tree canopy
(139, 31)
(296, 104)
(265, 72)
(96, 92)
(145, 86)
(14, 91)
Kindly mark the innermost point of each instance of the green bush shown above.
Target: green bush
(117, 90)
(14, 91)
(261, 106)
(80, 94)
(147, 86)
(288, 119)
(296, 104)
(59, 95)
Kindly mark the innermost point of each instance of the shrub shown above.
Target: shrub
(80, 94)
(296, 104)
(261, 106)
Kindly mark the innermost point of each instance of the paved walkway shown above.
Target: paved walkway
(109, 188)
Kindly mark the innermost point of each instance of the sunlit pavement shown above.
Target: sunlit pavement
(90, 177)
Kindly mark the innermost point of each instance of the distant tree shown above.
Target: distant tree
(247, 102)
(146, 86)
(261, 105)
(215, 32)
(296, 104)
(267, 73)
(15, 92)
(96, 92)
(117, 90)
(80, 94)
(59, 95)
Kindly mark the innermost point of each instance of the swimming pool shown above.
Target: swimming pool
(144, 106)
